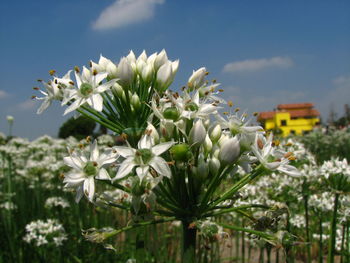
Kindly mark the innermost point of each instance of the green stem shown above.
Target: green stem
(234, 209)
(342, 244)
(136, 225)
(348, 242)
(264, 235)
(331, 245)
(321, 240)
(308, 245)
(243, 244)
(189, 243)
(245, 180)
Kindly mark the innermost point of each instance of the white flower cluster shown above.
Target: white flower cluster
(336, 167)
(8, 205)
(106, 75)
(49, 232)
(56, 201)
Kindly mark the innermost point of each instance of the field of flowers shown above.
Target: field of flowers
(180, 181)
(41, 222)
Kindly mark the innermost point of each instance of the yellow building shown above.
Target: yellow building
(298, 118)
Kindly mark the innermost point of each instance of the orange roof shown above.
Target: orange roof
(304, 113)
(266, 115)
(295, 106)
(293, 114)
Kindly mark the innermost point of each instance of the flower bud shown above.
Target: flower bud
(197, 78)
(215, 152)
(229, 151)
(112, 70)
(208, 145)
(206, 123)
(202, 169)
(181, 152)
(197, 133)
(147, 72)
(160, 60)
(143, 56)
(214, 165)
(175, 67)
(151, 59)
(125, 72)
(135, 101)
(165, 75)
(119, 90)
(223, 139)
(131, 57)
(215, 133)
(140, 64)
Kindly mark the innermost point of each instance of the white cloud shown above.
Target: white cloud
(125, 12)
(27, 105)
(3, 94)
(258, 64)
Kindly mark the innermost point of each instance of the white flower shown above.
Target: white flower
(10, 119)
(147, 155)
(89, 89)
(270, 158)
(197, 78)
(238, 124)
(197, 133)
(194, 108)
(86, 169)
(54, 90)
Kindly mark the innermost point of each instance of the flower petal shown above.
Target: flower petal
(103, 175)
(125, 151)
(162, 147)
(89, 188)
(73, 162)
(94, 152)
(161, 167)
(125, 168)
(96, 102)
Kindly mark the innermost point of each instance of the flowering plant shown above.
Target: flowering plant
(178, 155)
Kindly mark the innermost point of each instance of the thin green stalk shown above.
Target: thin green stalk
(243, 244)
(333, 230)
(234, 209)
(320, 259)
(308, 244)
(188, 243)
(136, 225)
(245, 180)
(348, 242)
(261, 255)
(268, 252)
(98, 121)
(264, 235)
(342, 245)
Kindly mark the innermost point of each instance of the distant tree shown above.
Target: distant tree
(344, 120)
(79, 128)
(332, 117)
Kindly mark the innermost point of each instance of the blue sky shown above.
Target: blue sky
(262, 52)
